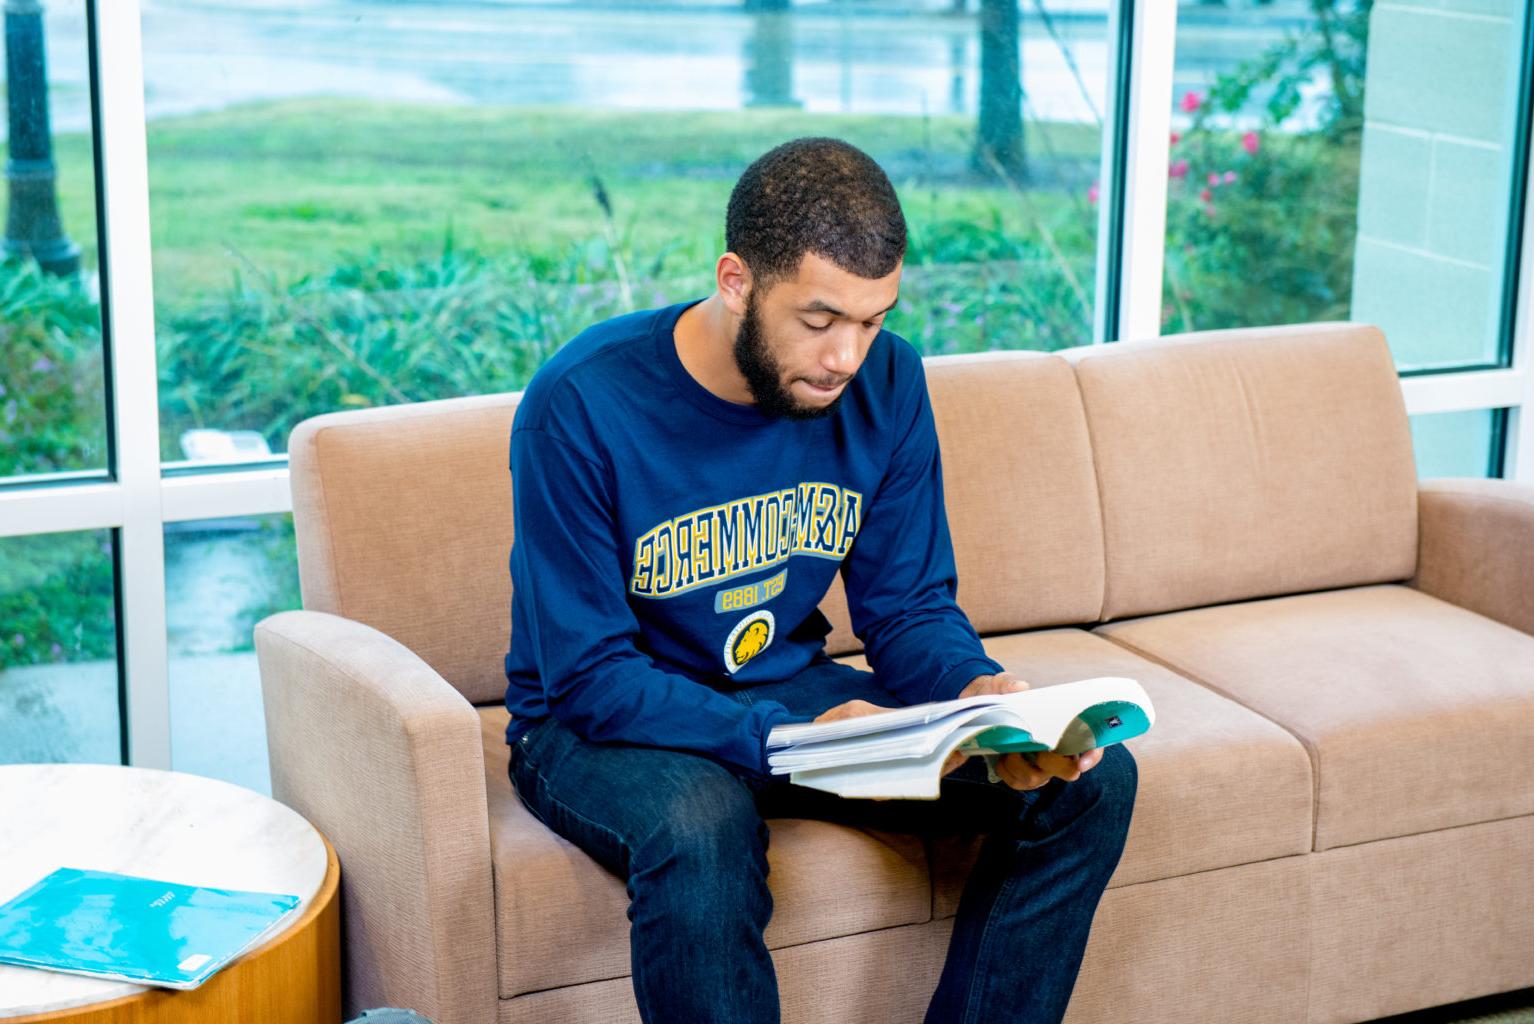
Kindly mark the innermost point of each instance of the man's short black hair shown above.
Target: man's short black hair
(817, 195)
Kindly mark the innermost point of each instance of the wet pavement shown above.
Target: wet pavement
(853, 56)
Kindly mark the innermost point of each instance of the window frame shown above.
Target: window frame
(140, 493)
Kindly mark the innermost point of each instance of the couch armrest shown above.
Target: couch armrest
(385, 757)
(1476, 547)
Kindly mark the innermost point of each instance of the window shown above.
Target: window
(58, 650)
(428, 202)
(1344, 160)
(52, 396)
(1459, 443)
(221, 578)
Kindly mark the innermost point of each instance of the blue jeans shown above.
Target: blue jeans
(687, 833)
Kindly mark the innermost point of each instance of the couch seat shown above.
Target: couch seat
(1417, 714)
(1219, 785)
(562, 919)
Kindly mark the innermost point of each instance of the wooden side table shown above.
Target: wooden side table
(181, 828)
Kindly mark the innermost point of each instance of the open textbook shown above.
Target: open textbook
(899, 753)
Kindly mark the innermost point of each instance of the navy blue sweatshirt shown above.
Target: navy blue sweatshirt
(671, 545)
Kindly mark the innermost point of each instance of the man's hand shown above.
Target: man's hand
(1015, 769)
(851, 709)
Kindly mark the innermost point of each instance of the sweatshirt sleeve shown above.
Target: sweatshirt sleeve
(900, 577)
(565, 565)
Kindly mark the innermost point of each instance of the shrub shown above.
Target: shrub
(52, 398)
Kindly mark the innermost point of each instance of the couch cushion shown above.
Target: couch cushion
(1248, 463)
(561, 918)
(1019, 490)
(1219, 785)
(1417, 714)
(403, 521)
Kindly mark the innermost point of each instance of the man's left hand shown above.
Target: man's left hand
(1015, 769)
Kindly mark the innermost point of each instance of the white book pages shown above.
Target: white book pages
(899, 753)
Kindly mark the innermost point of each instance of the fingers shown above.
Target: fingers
(1006, 682)
(1061, 766)
(851, 709)
(1016, 772)
(955, 759)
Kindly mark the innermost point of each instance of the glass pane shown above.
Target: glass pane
(1457, 443)
(222, 576)
(52, 401)
(58, 650)
(1346, 160)
(383, 200)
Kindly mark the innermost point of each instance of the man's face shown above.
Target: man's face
(800, 344)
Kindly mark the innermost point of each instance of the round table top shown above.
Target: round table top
(140, 821)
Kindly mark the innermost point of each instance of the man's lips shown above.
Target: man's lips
(826, 390)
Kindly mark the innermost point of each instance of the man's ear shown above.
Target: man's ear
(734, 281)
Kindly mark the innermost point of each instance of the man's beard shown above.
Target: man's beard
(764, 377)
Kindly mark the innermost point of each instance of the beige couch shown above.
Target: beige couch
(1336, 810)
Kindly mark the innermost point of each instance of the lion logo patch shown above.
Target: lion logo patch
(749, 638)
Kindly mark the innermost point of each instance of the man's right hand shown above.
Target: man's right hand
(851, 709)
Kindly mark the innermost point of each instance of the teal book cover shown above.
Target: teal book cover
(134, 929)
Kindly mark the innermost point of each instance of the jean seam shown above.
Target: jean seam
(562, 805)
(635, 976)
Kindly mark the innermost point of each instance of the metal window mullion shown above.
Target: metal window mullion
(67, 508)
(128, 307)
(219, 495)
(1142, 246)
(1518, 463)
(1464, 392)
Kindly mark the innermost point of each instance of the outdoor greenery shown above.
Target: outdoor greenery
(312, 255)
(1261, 222)
(56, 598)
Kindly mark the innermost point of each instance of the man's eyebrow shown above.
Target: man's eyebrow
(820, 306)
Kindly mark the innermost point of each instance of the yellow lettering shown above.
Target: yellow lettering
(703, 551)
(663, 560)
(852, 507)
(683, 541)
(644, 553)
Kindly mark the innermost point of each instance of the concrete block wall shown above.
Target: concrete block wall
(1440, 100)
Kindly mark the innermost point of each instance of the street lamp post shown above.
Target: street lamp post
(32, 226)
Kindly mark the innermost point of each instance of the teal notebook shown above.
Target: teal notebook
(140, 930)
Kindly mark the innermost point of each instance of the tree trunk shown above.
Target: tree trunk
(1000, 138)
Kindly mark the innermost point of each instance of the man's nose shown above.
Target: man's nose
(841, 358)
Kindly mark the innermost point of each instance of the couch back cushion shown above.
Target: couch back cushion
(1246, 463)
(403, 514)
(403, 519)
(1019, 490)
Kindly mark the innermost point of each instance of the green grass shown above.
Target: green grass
(292, 188)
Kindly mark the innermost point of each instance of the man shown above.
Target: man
(686, 483)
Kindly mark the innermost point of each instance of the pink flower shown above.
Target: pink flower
(1205, 194)
(1179, 168)
(1214, 178)
(1175, 138)
(1191, 101)
(1249, 142)
(1209, 209)
(1092, 193)
(1230, 176)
